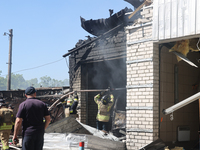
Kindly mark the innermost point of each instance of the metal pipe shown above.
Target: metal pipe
(181, 104)
(89, 90)
(60, 99)
(97, 90)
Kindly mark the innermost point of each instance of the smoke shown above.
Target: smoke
(111, 72)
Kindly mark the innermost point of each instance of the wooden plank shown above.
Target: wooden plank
(131, 15)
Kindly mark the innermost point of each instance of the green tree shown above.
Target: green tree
(32, 82)
(57, 83)
(65, 82)
(2, 83)
(45, 81)
(17, 81)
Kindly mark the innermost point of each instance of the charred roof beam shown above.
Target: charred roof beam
(114, 30)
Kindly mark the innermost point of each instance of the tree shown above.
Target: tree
(45, 81)
(2, 82)
(32, 82)
(65, 82)
(18, 82)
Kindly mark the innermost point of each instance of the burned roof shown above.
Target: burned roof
(104, 28)
(100, 26)
(135, 3)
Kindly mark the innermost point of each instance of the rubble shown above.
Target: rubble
(61, 131)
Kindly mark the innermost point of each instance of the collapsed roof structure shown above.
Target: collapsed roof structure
(135, 55)
(134, 58)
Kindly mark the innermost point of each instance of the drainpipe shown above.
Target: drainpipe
(160, 47)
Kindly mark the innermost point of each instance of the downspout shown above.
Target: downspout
(87, 99)
(160, 47)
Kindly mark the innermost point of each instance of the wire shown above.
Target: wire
(35, 67)
(67, 62)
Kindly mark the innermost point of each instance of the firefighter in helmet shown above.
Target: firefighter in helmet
(105, 103)
(6, 124)
(72, 103)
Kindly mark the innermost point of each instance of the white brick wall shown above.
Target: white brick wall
(142, 102)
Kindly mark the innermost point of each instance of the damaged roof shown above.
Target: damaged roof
(135, 3)
(103, 28)
(100, 26)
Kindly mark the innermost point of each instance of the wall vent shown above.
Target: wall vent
(183, 133)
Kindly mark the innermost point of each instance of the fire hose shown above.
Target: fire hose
(89, 90)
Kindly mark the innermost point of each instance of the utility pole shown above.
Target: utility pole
(9, 58)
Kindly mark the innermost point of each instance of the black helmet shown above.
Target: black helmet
(105, 99)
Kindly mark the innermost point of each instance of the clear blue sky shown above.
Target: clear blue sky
(44, 30)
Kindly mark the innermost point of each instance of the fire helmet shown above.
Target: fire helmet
(105, 99)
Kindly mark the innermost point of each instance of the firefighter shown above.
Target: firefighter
(72, 103)
(105, 103)
(6, 124)
(11, 107)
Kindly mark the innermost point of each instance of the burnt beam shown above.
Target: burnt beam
(100, 37)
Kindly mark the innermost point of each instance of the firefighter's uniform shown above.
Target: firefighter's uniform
(103, 114)
(71, 105)
(6, 123)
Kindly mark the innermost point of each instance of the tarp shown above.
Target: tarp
(63, 141)
(68, 132)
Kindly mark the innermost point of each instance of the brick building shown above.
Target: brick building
(136, 57)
